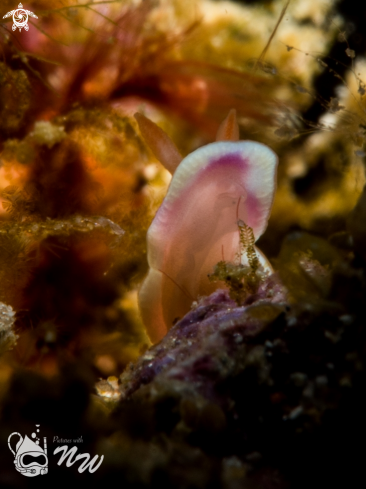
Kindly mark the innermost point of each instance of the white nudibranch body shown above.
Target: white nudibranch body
(212, 189)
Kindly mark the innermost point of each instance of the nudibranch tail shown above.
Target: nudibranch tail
(229, 128)
(159, 142)
(162, 302)
(212, 189)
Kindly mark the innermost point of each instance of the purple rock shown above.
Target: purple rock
(209, 343)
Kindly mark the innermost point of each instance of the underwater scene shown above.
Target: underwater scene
(182, 243)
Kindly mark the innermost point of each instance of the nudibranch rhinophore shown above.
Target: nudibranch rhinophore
(212, 189)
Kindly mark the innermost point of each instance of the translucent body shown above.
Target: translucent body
(196, 225)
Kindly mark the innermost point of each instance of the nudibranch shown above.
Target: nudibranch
(212, 190)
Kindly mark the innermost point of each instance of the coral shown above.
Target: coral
(46, 133)
(7, 336)
(240, 279)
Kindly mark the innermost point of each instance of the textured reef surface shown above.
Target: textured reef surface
(271, 389)
(208, 344)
